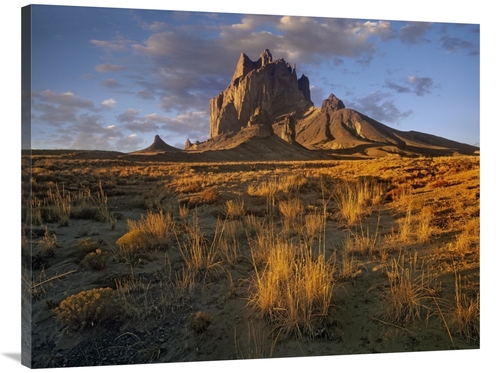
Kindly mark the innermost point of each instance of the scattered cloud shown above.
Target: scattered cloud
(117, 44)
(420, 86)
(109, 67)
(129, 115)
(110, 83)
(380, 106)
(109, 103)
(414, 33)
(452, 45)
(58, 108)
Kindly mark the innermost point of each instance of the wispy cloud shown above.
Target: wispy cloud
(414, 33)
(58, 108)
(453, 44)
(419, 86)
(110, 83)
(380, 106)
(109, 67)
(117, 44)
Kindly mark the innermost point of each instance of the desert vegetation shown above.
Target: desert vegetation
(138, 260)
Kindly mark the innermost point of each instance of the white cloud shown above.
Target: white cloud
(109, 103)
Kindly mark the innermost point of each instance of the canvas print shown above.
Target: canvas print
(215, 186)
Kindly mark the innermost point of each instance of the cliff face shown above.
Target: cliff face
(262, 88)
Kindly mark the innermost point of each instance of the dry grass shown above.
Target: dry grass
(361, 241)
(234, 209)
(409, 288)
(201, 257)
(301, 243)
(293, 290)
(256, 345)
(424, 227)
(463, 315)
(354, 199)
(292, 211)
(158, 225)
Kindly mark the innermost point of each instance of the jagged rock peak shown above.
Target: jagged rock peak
(331, 104)
(188, 144)
(158, 141)
(245, 64)
(265, 57)
(269, 84)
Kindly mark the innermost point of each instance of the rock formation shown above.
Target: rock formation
(271, 87)
(331, 104)
(158, 146)
(288, 131)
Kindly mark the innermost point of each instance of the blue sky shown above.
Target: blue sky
(108, 78)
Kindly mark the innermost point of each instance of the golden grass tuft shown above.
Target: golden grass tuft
(409, 288)
(463, 315)
(293, 289)
(234, 209)
(292, 213)
(354, 199)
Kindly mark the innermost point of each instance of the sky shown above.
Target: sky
(111, 78)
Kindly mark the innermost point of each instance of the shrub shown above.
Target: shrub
(209, 196)
(47, 245)
(199, 321)
(84, 247)
(87, 309)
(96, 260)
(135, 240)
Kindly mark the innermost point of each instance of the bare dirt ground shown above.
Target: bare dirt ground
(404, 259)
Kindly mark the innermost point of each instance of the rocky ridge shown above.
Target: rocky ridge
(261, 90)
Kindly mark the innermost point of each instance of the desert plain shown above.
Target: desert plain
(136, 258)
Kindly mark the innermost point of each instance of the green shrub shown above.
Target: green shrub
(84, 247)
(96, 260)
(89, 308)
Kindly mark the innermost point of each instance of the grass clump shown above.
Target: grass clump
(408, 291)
(87, 309)
(293, 290)
(199, 322)
(354, 199)
(151, 231)
(291, 212)
(234, 209)
(464, 313)
(209, 196)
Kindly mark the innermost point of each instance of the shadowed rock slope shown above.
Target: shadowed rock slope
(346, 131)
